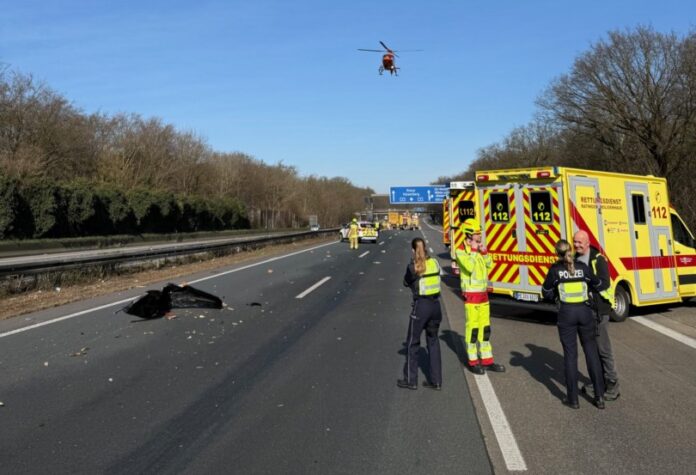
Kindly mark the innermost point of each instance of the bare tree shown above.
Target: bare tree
(634, 87)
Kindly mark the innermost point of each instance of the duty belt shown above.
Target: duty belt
(429, 297)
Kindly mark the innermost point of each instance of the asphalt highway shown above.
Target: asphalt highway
(297, 375)
(270, 384)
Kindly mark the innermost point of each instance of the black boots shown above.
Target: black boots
(495, 367)
(599, 402)
(402, 383)
(477, 369)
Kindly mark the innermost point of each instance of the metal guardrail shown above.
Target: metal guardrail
(57, 263)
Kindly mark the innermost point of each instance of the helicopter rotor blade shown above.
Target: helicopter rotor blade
(392, 51)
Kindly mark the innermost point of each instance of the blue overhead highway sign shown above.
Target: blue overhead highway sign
(418, 194)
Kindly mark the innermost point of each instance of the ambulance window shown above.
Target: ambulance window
(638, 209)
(466, 209)
(681, 234)
(542, 211)
(500, 208)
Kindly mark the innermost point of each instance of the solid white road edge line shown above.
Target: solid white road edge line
(506, 440)
(363, 254)
(434, 229)
(322, 281)
(112, 304)
(65, 317)
(687, 340)
(503, 433)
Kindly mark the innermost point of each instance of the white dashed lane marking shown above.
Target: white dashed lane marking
(321, 282)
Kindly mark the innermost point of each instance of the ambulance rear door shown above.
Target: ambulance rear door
(541, 228)
(498, 207)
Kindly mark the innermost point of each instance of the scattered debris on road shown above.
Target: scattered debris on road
(156, 303)
(82, 352)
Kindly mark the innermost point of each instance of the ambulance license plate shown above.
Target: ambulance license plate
(526, 296)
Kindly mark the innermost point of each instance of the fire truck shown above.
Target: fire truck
(393, 219)
(462, 205)
(404, 220)
(650, 251)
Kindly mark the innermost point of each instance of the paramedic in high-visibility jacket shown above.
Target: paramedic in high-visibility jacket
(474, 263)
(569, 282)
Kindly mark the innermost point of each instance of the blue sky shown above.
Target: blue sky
(282, 81)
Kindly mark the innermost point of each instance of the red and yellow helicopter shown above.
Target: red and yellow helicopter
(388, 63)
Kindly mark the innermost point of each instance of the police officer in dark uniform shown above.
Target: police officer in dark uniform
(598, 263)
(423, 277)
(567, 282)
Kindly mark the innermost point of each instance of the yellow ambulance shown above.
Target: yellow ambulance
(650, 251)
(445, 221)
(462, 205)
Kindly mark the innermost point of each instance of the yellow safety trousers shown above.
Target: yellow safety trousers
(478, 330)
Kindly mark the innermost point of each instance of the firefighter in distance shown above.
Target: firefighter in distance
(474, 263)
(353, 234)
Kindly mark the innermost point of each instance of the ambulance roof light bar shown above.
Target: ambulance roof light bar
(461, 185)
(521, 174)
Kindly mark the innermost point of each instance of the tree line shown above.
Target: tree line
(64, 172)
(628, 104)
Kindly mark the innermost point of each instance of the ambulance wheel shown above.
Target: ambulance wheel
(623, 302)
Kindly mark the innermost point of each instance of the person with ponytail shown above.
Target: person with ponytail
(423, 277)
(568, 282)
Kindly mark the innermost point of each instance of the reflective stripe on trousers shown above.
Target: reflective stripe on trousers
(478, 330)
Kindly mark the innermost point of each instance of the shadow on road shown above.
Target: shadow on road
(545, 366)
(511, 312)
(455, 342)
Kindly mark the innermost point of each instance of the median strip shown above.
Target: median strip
(322, 281)
(120, 302)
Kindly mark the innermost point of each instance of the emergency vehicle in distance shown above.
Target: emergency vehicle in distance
(366, 232)
(461, 206)
(393, 219)
(650, 251)
(446, 221)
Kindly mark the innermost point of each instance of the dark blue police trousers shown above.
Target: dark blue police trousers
(578, 320)
(425, 315)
